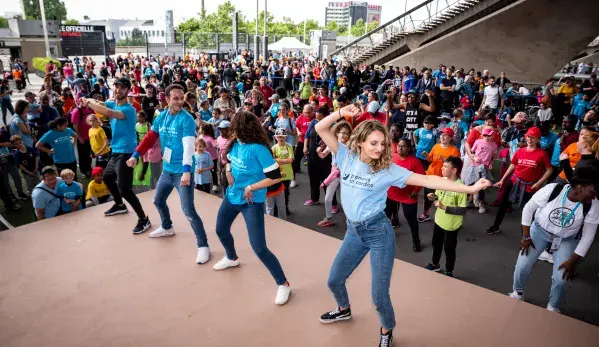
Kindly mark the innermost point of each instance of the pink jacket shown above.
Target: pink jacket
(154, 154)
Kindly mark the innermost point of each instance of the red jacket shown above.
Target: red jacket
(403, 194)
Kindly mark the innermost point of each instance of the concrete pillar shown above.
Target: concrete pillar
(256, 47)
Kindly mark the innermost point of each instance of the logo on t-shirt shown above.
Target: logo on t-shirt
(358, 182)
(560, 215)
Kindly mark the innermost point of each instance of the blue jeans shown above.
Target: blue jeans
(541, 240)
(6, 106)
(166, 183)
(377, 236)
(254, 221)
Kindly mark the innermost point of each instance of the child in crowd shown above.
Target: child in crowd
(34, 107)
(424, 139)
(98, 141)
(451, 208)
(484, 152)
(142, 128)
(466, 107)
(296, 99)
(207, 134)
(284, 156)
(441, 151)
(336, 94)
(205, 113)
(97, 191)
(217, 118)
(70, 191)
(459, 127)
(505, 117)
(221, 144)
(26, 159)
(203, 166)
(580, 108)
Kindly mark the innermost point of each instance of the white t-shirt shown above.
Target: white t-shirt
(493, 94)
(549, 216)
(523, 91)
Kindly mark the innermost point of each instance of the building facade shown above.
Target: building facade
(342, 12)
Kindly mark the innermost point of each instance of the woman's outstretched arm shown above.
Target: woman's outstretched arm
(436, 182)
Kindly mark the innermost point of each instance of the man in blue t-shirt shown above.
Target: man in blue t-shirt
(176, 129)
(45, 200)
(118, 176)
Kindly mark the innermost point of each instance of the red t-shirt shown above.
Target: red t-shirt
(530, 165)
(381, 117)
(302, 123)
(137, 75)
(79, 117)
(325, 100)
(403, 194)
(267, 92)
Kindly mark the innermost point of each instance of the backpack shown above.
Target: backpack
(557, 190)
(458, 134)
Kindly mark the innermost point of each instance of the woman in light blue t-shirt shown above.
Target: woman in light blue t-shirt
(367, 172)
(250, 169)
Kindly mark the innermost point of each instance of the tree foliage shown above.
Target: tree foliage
(3, 22)
(55, 9)
(71, 22)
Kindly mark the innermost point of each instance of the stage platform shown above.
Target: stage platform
(85, 280)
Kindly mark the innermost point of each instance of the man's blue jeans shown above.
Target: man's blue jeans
(166, 183)
(377, 236)
(254, 221)
(542, 239)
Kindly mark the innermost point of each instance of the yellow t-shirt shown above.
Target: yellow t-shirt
(97, 139)
(567, 91)
(96, 189)
(284, 152)
(446, 221)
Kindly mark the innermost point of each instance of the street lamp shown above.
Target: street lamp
(44, 25)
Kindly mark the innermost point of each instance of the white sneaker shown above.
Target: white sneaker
(546, 256)
(215, 189)
(515, 295)
(282, 294)
(481, 208)
(161, 232)
(203, 255)
(225, 263)
(293, 184)
(553, 309)
(476, 202)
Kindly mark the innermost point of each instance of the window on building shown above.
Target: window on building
(162, 33)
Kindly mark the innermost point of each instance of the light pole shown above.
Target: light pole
(257, 37)
(265, 39)
(44, 25)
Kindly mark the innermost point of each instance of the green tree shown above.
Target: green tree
(3, 22)
(70, 22)
(55, 9)
(332, 26)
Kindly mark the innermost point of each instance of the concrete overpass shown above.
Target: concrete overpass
(530, 40)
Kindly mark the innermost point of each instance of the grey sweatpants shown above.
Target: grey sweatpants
(279, 200)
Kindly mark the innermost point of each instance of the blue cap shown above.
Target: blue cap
(224, 124)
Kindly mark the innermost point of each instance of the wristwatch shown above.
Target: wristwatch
(526, 238)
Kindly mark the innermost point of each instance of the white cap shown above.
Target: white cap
(373, 107)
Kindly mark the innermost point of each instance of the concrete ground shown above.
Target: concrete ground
(486, 261)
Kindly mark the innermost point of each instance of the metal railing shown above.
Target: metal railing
(404, 25)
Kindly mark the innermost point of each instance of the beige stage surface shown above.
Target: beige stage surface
(85, 280)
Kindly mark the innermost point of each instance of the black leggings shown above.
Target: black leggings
(318, 170)
(410, 212)
(426, 200)
(214, 172)
(448, 240)
(505, 202)
(118, 177)
(297, 157)
(203, 187)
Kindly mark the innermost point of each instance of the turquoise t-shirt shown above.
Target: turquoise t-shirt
(172, 129)
(60, 141)
(73, 192)
(249, 162)
(124, 139)
(426, 141)
(205, 115)
(548, 141)
(363, 193)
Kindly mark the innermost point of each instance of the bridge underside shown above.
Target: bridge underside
(530, 40)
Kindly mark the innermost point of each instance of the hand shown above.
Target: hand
(491, 166)
(131, 162)
(350, 110)
(564, 156)
(482, 184)
(247, 194)
(185, 179)
(51, 151)
(569, 267)
(305, 152)
(91, 155)
(230, 178)
(524, 245)
(69, 201)
(198, 170)
(424, 153)
(83, 102)
(431, 196)
(81, 141)
(498, 184)
(536, 186)
(439, 205)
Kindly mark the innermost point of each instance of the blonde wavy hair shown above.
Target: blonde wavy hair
(591, 138)
(359, 136)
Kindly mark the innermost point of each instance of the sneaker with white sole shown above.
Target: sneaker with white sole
(215, 189)
(481, 208)
(283, 293)
(203, 255)
(553, 309)
(516, 295)
(161, 232)
(225, 263)
(476, 202)
(293, 184)
(336, 315)
(546, 256)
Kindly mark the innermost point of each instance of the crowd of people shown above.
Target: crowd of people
(379, 135)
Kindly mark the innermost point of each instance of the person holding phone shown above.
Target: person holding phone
(367, 173)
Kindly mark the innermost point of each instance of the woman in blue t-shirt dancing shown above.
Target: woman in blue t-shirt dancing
(250, 169)
(367, 172)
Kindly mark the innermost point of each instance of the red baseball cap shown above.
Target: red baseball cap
(534, 132)
(97, 171)
(448, 131)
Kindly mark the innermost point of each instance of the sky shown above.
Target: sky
(119, 9)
